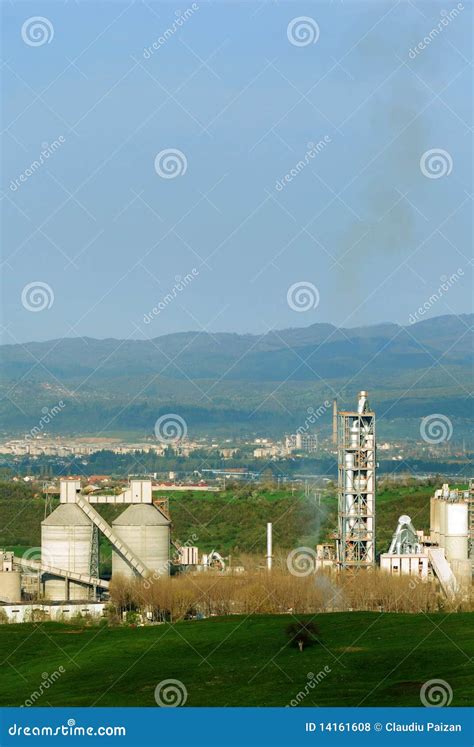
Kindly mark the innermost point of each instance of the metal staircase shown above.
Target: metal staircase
(108, 532)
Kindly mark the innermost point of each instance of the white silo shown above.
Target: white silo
(146, 531)
(456, 531)
(66, 543)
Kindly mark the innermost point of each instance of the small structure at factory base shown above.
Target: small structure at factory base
(10, 579)
(406, 554)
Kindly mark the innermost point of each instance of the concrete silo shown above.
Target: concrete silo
(146, 531)
(66, 543)
(456, 531)
(10, 579)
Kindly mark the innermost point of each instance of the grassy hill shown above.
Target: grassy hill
(371, 659)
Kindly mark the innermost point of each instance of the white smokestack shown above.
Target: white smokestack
(269, 546)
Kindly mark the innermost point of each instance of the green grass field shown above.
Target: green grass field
(371, 659)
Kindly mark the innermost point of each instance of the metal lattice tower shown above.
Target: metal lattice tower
(94, 567)
(356, 487)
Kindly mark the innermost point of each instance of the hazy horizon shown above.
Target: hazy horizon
(247, 333)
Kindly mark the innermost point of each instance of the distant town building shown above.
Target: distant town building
(228, 453)
(305, 442)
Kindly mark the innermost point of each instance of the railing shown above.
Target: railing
(82, 578)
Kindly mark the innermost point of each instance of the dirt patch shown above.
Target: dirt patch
(350, 649)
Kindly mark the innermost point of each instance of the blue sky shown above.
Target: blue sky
(229, 89)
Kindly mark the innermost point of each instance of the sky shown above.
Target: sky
(233, 166)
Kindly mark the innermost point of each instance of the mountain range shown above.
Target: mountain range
(242, 382)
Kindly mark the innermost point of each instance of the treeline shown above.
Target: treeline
(258, 592)
(147, 461)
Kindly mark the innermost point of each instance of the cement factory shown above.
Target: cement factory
(65, 578)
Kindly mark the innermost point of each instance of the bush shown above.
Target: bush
(303, 634)
(132, 618)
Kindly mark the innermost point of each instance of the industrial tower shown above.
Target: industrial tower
(356, 487)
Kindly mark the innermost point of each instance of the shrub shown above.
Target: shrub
(303, 634)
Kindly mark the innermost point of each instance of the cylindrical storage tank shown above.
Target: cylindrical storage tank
(360, 483)
(456, 531)
(354, 435)
(10, 586)
(66, 543)
(146, 531)
(349, 466)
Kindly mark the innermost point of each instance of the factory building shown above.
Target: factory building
(355, 544)
(406, 554)
(67, 575)
(68, 570)
(444, 552)
(305, 442)
(450, 531)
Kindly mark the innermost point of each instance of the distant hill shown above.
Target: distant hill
(245, 383)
